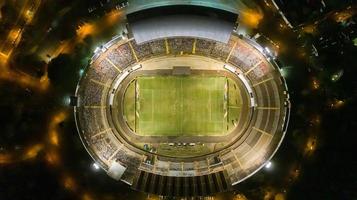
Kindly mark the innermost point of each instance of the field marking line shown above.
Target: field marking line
(181, 107)
(152, 105)
(135, 102)
(210, 101)
(228, 97)
(225, 104)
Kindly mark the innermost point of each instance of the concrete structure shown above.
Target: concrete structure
(246, 149)
(230, 158)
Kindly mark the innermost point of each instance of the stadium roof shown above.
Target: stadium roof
(227, 5)
(178, 26)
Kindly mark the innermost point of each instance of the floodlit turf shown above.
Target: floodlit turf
(234, 104)
(183, 151)
(129, 102)
(181, 106)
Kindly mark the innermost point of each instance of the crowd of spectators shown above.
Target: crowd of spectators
(92, 94)
(180, 45)
(242, 56)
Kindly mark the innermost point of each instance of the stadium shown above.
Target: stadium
(179, 107)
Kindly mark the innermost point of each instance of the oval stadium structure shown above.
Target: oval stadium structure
(181, 113)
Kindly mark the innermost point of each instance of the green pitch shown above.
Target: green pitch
(178, 106)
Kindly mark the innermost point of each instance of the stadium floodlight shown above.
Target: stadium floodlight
(270, 53)
(267, 50)
(95, 166)
(100, 49)
(242, 31)
(96, 50)
(81, 71)
(67, 100)
(268, 165)
(285, 71)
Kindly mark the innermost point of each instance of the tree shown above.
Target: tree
(29, 63)
(63, 73)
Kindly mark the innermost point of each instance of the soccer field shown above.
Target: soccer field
(178, 105)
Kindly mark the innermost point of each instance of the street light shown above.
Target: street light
(336, 76)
